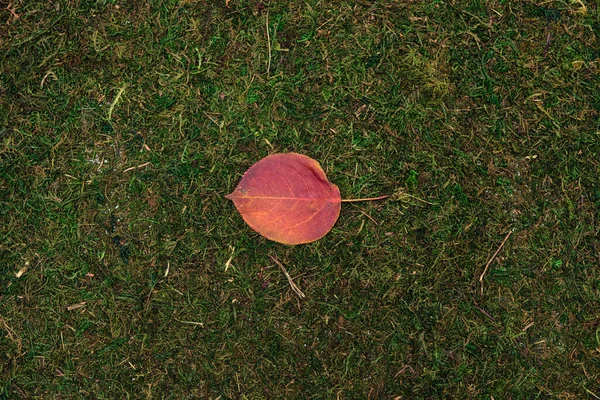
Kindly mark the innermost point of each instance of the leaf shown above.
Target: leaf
(288, 199)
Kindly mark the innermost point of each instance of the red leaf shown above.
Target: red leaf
(287, 198)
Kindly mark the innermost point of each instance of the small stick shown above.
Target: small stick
(487, 314)
(368, 216)
(591, 393)
(295, 288)
(268, 46)
(139, 166)
(402, 196)
(367, 199)
(492, 259)
(200, 324)
(547, 46)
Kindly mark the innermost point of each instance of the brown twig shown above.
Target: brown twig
(295, 288)
(487, 314)
(492, 259)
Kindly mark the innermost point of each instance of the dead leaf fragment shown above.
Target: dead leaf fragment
(20, 272)
(76, 306)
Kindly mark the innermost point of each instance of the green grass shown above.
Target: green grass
(482, 118)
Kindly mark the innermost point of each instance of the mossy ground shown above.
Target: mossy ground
(124, 123)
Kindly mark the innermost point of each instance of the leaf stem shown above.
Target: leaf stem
(367, 199)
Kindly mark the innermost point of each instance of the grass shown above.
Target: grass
(123, 125)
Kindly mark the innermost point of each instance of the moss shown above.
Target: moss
(123, 125)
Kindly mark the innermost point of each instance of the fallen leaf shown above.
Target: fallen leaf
(288, 199)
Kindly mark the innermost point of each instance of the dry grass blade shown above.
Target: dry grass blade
(136, 167)
(115, 101)
(365, 199)
(294, 287)
(268, 46)
(487, 265)
(200, 324)
(76, 306)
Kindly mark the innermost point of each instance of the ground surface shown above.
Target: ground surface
(124, 273)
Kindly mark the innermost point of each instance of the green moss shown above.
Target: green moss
(126, 274)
